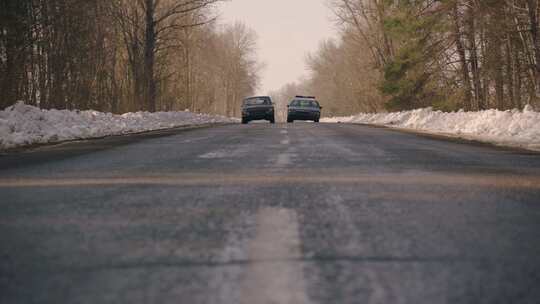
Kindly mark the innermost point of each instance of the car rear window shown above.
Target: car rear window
(305, 103)
(257, 101)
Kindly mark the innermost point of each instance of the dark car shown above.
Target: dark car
(258, 108)
(304, 108)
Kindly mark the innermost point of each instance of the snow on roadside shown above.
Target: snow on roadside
(511, 128)
(22, 125)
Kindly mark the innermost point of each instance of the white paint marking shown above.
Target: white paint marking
(187, 141)
(283, 160)
(279, 282)
(237, 151)
(214, 155)
(284, 132)
(286, 141)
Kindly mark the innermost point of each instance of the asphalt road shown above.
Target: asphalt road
(299, 213)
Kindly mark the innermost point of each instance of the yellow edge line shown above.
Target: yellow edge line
(504, 181)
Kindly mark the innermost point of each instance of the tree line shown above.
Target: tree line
(124, 55)
(449, 54)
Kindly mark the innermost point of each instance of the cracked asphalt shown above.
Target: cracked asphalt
(285, 213)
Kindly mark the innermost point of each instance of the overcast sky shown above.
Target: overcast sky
(287, 31)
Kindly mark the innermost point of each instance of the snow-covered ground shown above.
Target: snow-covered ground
(510, 128)
(22, 125)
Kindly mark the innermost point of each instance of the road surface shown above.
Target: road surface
(299, 213)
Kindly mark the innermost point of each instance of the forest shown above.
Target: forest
(124, 55)
(163, 55)
(449, 54)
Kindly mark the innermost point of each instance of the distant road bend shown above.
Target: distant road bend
(286, 213)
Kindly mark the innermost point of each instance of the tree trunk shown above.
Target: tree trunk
(510, 71)
(467, 88)
(473, 50)
(533, 19)
(150, 57)
(495, 53)
(499, 77)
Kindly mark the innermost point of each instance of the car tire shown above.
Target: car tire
(245, 121)
(290, 120)
(317, 120)
(272, 120)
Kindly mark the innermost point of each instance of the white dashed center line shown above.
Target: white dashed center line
(277, 280)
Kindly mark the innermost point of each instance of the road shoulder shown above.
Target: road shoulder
(119, 138)
(457, 138)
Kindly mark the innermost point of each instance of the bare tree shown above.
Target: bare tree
(451, 54)
(150, 29)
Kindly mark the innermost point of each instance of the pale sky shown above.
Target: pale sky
(287, 31)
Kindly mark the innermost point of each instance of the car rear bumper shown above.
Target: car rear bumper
(303, 116)
(258, 116)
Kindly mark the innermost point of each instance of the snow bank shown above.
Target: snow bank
(22, 124)
(513, 128)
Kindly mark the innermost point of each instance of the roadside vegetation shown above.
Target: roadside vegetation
(124, 55)
(168, 55)
(448, 54)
